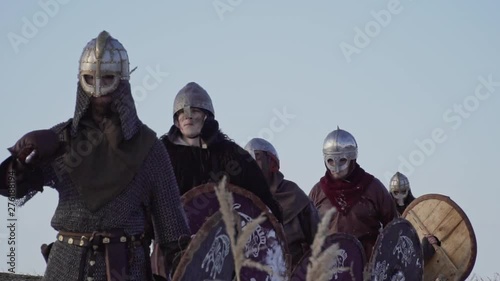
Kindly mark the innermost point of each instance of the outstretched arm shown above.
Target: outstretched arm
(19, 179)
(29, 168)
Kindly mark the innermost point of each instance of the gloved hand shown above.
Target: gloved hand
(427, 247)
(44, 144)
(46, 251)
(173, 252)
(433, 240)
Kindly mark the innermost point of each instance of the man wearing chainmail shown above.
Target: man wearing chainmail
(111, 172)
(300, 216)
(201, 153)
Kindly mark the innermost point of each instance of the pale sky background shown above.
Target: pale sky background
(262, 57)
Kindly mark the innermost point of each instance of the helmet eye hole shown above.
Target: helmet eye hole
(106, 80)
(89, 79)
(337, 162)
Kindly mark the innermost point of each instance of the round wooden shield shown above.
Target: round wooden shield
(438, 215)
(208, 256)
(351, 254)
(397, 254)
(267, 244)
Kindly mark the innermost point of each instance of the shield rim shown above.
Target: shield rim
(381, 235)
(210, 187)
(341, 235)
(195, 244)
(280, 232)
(465, 218)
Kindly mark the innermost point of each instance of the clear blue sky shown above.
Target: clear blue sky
(412, 79)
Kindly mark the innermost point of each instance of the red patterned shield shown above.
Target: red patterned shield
(351, 254)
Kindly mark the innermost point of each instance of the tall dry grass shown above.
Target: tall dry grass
(322, 264)
(238, 236)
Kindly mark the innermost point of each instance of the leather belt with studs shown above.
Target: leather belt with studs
(87, 239)
(95, 242)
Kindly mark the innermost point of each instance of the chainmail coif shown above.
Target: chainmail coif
(153, 189)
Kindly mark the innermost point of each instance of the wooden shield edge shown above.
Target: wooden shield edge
(210, 187)
(467, 222)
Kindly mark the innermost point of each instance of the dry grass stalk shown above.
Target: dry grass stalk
(321, 265)
(237, 236)
(367, 272)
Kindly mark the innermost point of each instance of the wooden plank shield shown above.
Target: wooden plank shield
(267, 244)
(208, 256)
(351, 254)
(438, 215)
(397, 254)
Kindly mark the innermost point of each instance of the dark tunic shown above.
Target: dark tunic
(194, 166)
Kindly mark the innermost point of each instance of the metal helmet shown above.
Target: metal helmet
(262, 145)
(399, 188)
(193, 95)
(339, 148)
(103, 56)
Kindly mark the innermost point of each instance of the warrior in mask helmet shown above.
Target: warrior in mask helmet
(201, 153)
(401, 192)
(363, 204)
(111, 172)
(300, 217)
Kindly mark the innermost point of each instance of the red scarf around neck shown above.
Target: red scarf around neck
(345, 193)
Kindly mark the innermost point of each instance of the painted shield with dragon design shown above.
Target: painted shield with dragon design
(208, 256)
(347, 265)
(267, 244)
(397, 254)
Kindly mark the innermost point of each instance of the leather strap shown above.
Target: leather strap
(116, 246)
(84, 239)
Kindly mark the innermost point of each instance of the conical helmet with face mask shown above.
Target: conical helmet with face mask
(399, 188)
(339, 149)
(103, 63)
(104, 71)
